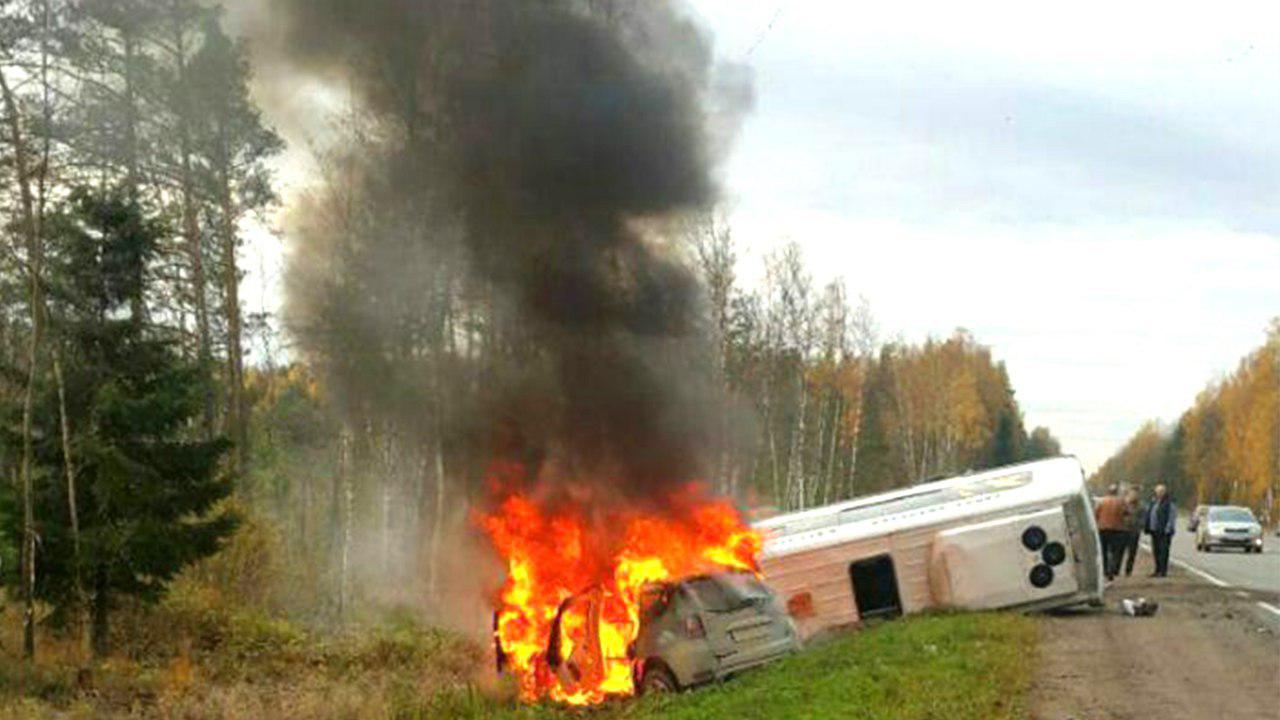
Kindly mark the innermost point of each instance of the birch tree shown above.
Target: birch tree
(30, 232)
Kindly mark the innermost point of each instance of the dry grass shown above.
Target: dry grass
(194, 663)
(217, 647)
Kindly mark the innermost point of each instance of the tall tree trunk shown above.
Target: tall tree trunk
(31, 231)
(795, 460)
(855, 436)
(770, 436)
(906, 425)
(779, 492)
(69, 465)
(237, 423)
(28, 509)
(832, 484)
(133, 175)
(819, 487)
(191, 223)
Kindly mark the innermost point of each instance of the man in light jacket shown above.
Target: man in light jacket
(1161, 518)
(1109, 514)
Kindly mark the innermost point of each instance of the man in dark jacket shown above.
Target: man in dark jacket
(1161, 518)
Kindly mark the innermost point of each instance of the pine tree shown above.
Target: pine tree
(148, 487)
(1042, 444)
(234, 144)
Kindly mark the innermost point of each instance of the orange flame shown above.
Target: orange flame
(570, 547)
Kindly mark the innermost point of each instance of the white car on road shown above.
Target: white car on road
(1229, 526)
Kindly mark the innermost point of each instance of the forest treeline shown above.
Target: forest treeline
(131, 157)
(836, 411)
(1225, 449)
(138, 444)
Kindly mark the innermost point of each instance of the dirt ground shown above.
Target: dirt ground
(1206, 654)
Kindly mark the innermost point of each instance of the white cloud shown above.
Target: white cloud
(1102, 327)
(1089, 187)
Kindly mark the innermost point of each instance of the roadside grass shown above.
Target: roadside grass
(200, 663)
(950, 666)
(946, 666)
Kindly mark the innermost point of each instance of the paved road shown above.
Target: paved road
(1208, 653)
(1234, 567)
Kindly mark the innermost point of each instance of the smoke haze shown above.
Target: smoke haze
(528, 157)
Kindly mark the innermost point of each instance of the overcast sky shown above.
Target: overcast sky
(1091, 188)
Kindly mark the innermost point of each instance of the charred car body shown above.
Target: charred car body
(691, 631)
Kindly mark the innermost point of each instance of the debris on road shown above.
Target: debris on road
(1141, 607)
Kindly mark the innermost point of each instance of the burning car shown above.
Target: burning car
(593, 593)
(692, 631)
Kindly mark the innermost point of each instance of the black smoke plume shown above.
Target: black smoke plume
(524, 156)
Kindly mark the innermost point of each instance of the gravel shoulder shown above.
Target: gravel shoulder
(1206, 654)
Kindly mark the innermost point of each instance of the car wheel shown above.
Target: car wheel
(657, 679)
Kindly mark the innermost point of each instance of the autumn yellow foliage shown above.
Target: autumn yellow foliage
(1225, 448)
(1231, 438)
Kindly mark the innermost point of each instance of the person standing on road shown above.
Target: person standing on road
(1133, 517)
(1161, 517)
(1110, 517)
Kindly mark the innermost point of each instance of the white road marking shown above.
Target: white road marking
(1187, 566)
(1191, 569)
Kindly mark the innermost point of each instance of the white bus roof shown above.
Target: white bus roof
(980, 493)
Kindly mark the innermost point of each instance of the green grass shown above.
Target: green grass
(933, 667)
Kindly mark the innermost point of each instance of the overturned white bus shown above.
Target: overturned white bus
(1021, 536)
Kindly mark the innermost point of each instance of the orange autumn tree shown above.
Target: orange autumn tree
(1224, 449)
(947, 406)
